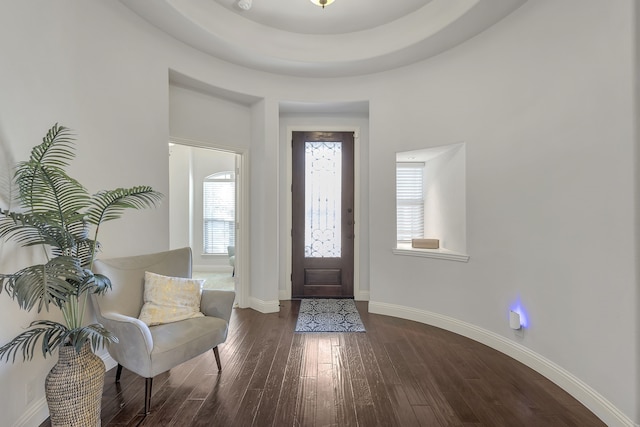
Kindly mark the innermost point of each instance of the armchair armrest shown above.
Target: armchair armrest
(217, 303)
(134, 332)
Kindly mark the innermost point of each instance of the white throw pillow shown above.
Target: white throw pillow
(170, 299)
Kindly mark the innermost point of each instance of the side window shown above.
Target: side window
(410, 201)
(219, 216)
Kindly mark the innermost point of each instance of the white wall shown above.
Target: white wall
(180, 201)
(445, 216)
(64, 62)
(544, 102)
(264, 246)
(208, 119)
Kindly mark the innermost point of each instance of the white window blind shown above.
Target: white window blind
(219, 216)
(410, 201)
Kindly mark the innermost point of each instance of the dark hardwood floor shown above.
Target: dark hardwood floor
(398, 373)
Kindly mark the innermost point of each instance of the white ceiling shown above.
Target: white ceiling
(343, 16)
(347, 38)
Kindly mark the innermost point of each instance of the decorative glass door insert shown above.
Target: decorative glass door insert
(323, 197)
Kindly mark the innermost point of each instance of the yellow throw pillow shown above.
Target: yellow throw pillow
(170, 299)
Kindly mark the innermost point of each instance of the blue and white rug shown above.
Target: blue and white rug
(329, 315)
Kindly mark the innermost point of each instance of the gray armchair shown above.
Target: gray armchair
(149, 351)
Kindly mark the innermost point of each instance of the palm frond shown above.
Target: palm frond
(56, 147)
(24, 228)
(45, 165)
(94, 283)
(54, 335)
(4, 282)
(95, 333)
(51, 283)
(84, 251)
(51, 332)
(45, 188)
(101, 284)
(53, 199)
(110, 204)
(71, 238)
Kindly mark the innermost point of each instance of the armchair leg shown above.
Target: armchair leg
(118, 373)
(217, 355)
(147, 395)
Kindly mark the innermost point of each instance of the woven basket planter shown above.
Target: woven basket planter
(74, 388)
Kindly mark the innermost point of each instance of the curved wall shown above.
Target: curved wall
(543, 100)
(546, 111)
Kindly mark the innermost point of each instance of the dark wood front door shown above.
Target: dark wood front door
(323, 216)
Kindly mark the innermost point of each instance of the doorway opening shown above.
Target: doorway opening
(323, 217)
(205, 211)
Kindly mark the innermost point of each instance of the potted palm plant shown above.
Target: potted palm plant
(59, 215)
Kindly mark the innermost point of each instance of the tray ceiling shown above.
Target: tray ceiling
(347, 38)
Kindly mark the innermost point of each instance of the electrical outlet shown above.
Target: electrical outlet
(30, 391)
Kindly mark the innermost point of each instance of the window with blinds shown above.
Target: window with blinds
(410, 201)
(219, 212)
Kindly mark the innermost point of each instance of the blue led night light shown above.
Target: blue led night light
(518, 308)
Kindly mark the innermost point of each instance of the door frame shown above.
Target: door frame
(242, 213)
(286, 294)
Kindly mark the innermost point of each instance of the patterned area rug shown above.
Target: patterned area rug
(329, 315)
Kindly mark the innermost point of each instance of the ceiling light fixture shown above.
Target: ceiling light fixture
(322, 3)
(244, 4)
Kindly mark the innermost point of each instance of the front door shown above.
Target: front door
(323, 217)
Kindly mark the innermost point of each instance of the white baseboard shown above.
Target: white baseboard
(34, 414)
(362, 296)
(265, 306)
(589, 397)
(109, 362)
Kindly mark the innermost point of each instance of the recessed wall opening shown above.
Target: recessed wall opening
(431, 198)
(352, 117)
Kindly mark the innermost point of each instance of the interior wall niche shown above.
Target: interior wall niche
(444, 194)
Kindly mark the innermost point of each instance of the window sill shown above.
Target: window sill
(431, 253)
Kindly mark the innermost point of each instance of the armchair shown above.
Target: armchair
(149, 351)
